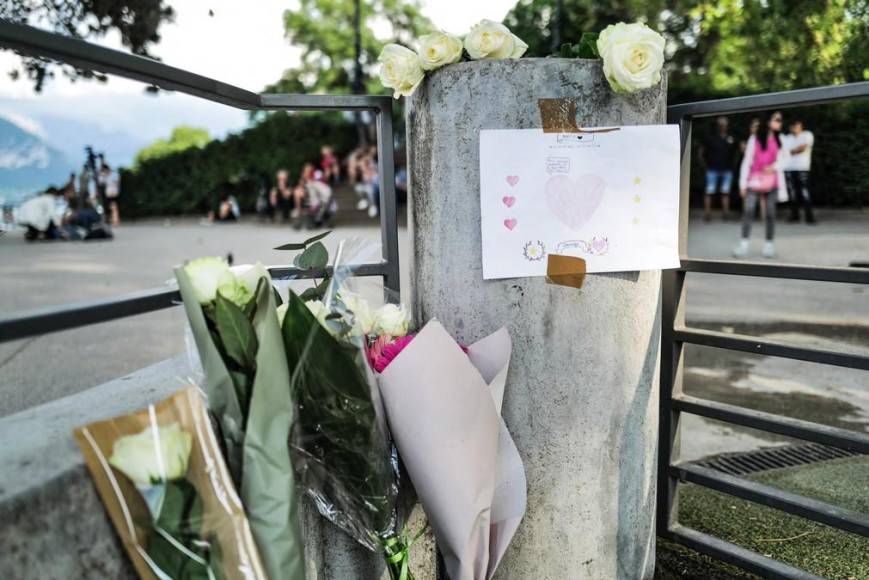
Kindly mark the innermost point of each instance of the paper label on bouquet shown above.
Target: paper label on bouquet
(610, 197)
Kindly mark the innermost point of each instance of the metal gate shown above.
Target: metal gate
(675, 334)
(34, 42)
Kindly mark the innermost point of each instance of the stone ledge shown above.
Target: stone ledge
(54, 525)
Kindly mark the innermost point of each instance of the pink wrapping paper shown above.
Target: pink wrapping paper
(443, 408)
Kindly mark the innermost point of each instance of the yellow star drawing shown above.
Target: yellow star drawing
(636, 221)
(636, 181)
(637, 198)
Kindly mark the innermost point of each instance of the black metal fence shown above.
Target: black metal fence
(673, 402)
(675, 334)
(35, 42)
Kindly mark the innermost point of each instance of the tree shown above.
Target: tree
(323, 29)
(719, 48)
(183, 137)
(137, 21)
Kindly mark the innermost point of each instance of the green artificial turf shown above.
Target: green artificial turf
(813, 547)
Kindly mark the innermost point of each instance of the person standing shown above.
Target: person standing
(112, 187)
(760, 177)
(800, 143)
(717, 155)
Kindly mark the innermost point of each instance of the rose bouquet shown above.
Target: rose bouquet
(442, 402)
(232, 317)
(162, 479)
(340, 444)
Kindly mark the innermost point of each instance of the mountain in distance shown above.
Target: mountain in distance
(28, 164)
(72, 135)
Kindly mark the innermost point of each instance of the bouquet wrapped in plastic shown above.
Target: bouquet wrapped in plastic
(442, 402)
(232, 318)
(340, 443)
(163, 481)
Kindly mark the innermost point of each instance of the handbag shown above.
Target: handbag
(761, 182)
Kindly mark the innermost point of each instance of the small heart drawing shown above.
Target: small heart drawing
(510, 224)
(508, 200)
(512, 180)
(574, 202)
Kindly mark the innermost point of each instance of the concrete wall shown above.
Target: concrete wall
(53, 525)
(582, 393)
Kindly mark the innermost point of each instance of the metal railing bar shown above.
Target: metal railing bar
(790, 271)
(69, 316)
(45, 320)
(787, 426)
(782, 99)
(821, 512)
(388, 209)
(35, 42)
(766, 347)
(325, 102)
(737, 555)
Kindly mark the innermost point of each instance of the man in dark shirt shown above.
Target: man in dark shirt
(717, 156)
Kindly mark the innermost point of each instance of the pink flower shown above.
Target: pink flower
(385, 348)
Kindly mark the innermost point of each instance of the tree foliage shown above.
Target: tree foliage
(723, 47)
(182, 137)
(137, 22)
(323, 30)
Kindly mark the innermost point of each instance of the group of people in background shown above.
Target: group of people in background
(774, 168)
(310, 198)
(82, 209)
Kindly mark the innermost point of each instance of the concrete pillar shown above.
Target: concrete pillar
(582, 392)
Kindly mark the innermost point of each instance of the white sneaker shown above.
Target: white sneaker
(295, 213)
(741, 250)
(372, 211)
(362, 204)
(769, 250)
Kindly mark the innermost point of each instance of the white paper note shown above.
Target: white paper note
(611, 198)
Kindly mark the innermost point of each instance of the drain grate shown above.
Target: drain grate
(773, 458)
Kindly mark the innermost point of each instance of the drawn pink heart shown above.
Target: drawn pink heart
(510, 224)
(508, 200)
(512, 180)
(574, 202)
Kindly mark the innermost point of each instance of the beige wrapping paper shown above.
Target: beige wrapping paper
(443, 408)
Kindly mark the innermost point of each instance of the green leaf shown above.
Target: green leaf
(315, 257)
(305, 244)
(588, 45)
(236, 333)
(317, 292)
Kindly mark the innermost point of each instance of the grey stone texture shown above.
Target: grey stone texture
(582, 393)
(53, 525)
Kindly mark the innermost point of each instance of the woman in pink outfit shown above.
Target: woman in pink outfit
(760, 177)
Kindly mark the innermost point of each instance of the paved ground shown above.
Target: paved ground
(39, 275)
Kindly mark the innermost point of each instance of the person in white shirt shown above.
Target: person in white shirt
(799, 143)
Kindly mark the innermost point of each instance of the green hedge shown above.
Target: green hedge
(186, 183)
(840, 166)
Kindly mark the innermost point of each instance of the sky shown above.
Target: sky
(238, 45)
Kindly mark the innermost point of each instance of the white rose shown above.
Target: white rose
(207, 275)
(400, 70)
(391, 320)
(519, 47)
(363, 315)
(633, 55)
(249, 275)
(148, 457)
(489, 39)
(439, 49)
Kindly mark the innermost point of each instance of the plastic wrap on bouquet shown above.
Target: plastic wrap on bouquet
(443, 408)
(340, 444)
(162, 478)
(235, 328)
